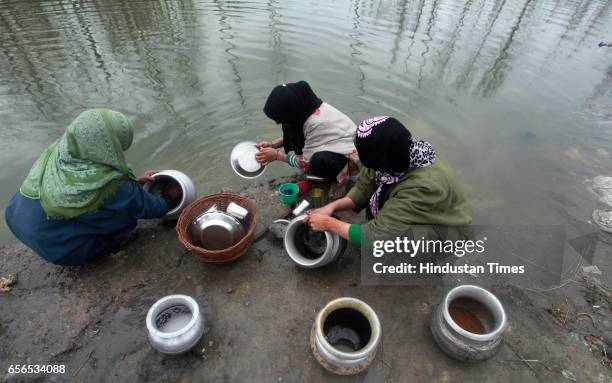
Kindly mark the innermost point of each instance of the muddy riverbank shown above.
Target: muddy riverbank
(259, 311)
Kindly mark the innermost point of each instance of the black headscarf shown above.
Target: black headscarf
(385, 145)
(291, 105)
(386, 148)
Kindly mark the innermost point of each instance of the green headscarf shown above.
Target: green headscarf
(85, 166)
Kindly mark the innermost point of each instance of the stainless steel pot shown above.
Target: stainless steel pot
(187, 188)
(345, 336)
(175, 324)
(216, 230)
(478, 304)
(298, 251)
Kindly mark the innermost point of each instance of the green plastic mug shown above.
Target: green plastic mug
(288, 193)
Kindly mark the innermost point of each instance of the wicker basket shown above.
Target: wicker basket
(202, 204)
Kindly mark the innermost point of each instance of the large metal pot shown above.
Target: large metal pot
(216, 230)
(175, 324)
(345, 336)
(299, 252)
(469, 323)
(187, 188)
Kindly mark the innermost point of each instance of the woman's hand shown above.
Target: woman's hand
(326, 210)
(147, 177)
(263, 144)
(266, 155)
(318, 222)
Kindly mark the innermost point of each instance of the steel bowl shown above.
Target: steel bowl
(243, 160)
(237, 211)
(215, 230)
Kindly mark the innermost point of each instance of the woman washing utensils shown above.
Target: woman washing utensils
(80, 199)
(317, 138)
(402, 182)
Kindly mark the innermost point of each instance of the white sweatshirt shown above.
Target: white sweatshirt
(328, 129)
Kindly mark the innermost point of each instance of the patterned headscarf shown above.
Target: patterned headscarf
(85, 166)
(386, 146)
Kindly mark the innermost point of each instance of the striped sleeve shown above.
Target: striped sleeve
(297, 161)
(291, 160)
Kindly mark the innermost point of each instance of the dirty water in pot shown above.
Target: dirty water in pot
(311, 244)
(471, 315)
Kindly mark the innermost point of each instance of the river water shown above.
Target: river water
(515, 94)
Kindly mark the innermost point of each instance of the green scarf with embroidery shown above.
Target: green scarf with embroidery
(78, 172)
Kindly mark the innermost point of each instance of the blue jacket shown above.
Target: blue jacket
(74, 241)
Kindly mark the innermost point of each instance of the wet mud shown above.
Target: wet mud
(259, 311)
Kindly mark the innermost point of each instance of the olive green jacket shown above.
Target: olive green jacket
(429, 195)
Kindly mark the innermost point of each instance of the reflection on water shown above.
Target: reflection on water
(515, 93)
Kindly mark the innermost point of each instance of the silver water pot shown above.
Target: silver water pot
(216, 230)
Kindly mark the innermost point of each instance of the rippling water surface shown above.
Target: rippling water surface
(516, 94)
